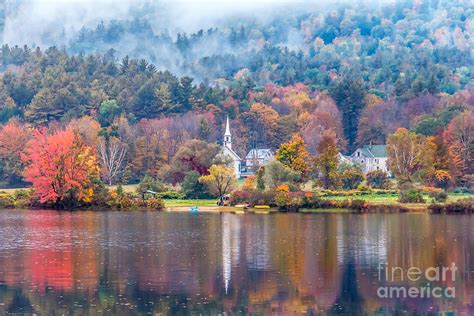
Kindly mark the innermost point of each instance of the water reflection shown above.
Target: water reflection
(139, 263)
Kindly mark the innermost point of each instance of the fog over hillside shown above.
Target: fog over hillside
(212, 39)
(154, 25)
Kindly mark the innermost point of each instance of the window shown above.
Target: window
(358, 154)
(376, 161)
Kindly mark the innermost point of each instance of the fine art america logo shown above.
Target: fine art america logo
(428, 283)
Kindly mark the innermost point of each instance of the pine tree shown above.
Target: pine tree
(349, 95)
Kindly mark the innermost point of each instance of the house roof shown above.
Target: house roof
(258, 153)
(343, 158)
(374, 151)
(230, 152)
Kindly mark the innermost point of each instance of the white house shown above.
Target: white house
(371, 157)
(227, 151)
(258, 157)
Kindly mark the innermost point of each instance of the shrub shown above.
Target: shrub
(439, 196)
(260, 178)
(148, 183)
(359, 205)
(22, 198)
(155, 204)
(7, 201)
(351, 176)
(170, 195)
(377, 179)
(121, 200)
(461, 190)
(464, 206)
(253, 197)
(192, 188)
(129, 201)
(277, 173)
(310, 200)
(412, 195)
(282, 196)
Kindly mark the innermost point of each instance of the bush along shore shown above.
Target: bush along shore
(115, 199)
(362, 201)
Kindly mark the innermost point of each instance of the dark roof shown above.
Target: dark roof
(374, 151)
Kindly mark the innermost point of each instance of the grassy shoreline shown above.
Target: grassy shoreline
(378, 202)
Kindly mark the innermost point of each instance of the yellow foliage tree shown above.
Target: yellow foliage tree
(410, 155)
(220, 180)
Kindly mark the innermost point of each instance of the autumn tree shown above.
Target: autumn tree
(194, 155)
(61, 167)
(87, 128)
(326, 118)
(294, 155)
(326, 163)
(111, 152)
(459, 137)
(262, 122)
(379, 120)
(410, 156)
(13, 139)
(220, 180)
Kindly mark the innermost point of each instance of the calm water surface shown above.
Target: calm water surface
(94, 263)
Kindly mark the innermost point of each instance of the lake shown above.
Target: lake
(181, 263)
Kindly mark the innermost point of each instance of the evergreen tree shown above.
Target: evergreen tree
(349, 95)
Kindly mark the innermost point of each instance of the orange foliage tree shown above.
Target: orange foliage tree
(294, 155)
(459, 136)
(60, 166)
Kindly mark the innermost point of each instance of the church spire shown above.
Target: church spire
(227, 127)
(227, 135)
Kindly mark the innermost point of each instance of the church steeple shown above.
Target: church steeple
(227, 135)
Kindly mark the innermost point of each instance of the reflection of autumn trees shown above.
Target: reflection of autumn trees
(176, 263)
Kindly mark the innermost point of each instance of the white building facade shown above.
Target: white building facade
(371, 158)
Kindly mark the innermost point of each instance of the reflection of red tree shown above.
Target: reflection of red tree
(50, 266)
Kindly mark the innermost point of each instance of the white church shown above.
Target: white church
(254, 159)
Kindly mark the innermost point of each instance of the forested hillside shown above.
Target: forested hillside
(355, 72)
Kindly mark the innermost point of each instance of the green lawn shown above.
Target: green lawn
(373, 198)
(126, 188)
(392, 198)
(176, 203)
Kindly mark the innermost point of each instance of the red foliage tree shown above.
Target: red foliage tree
(60, 166)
